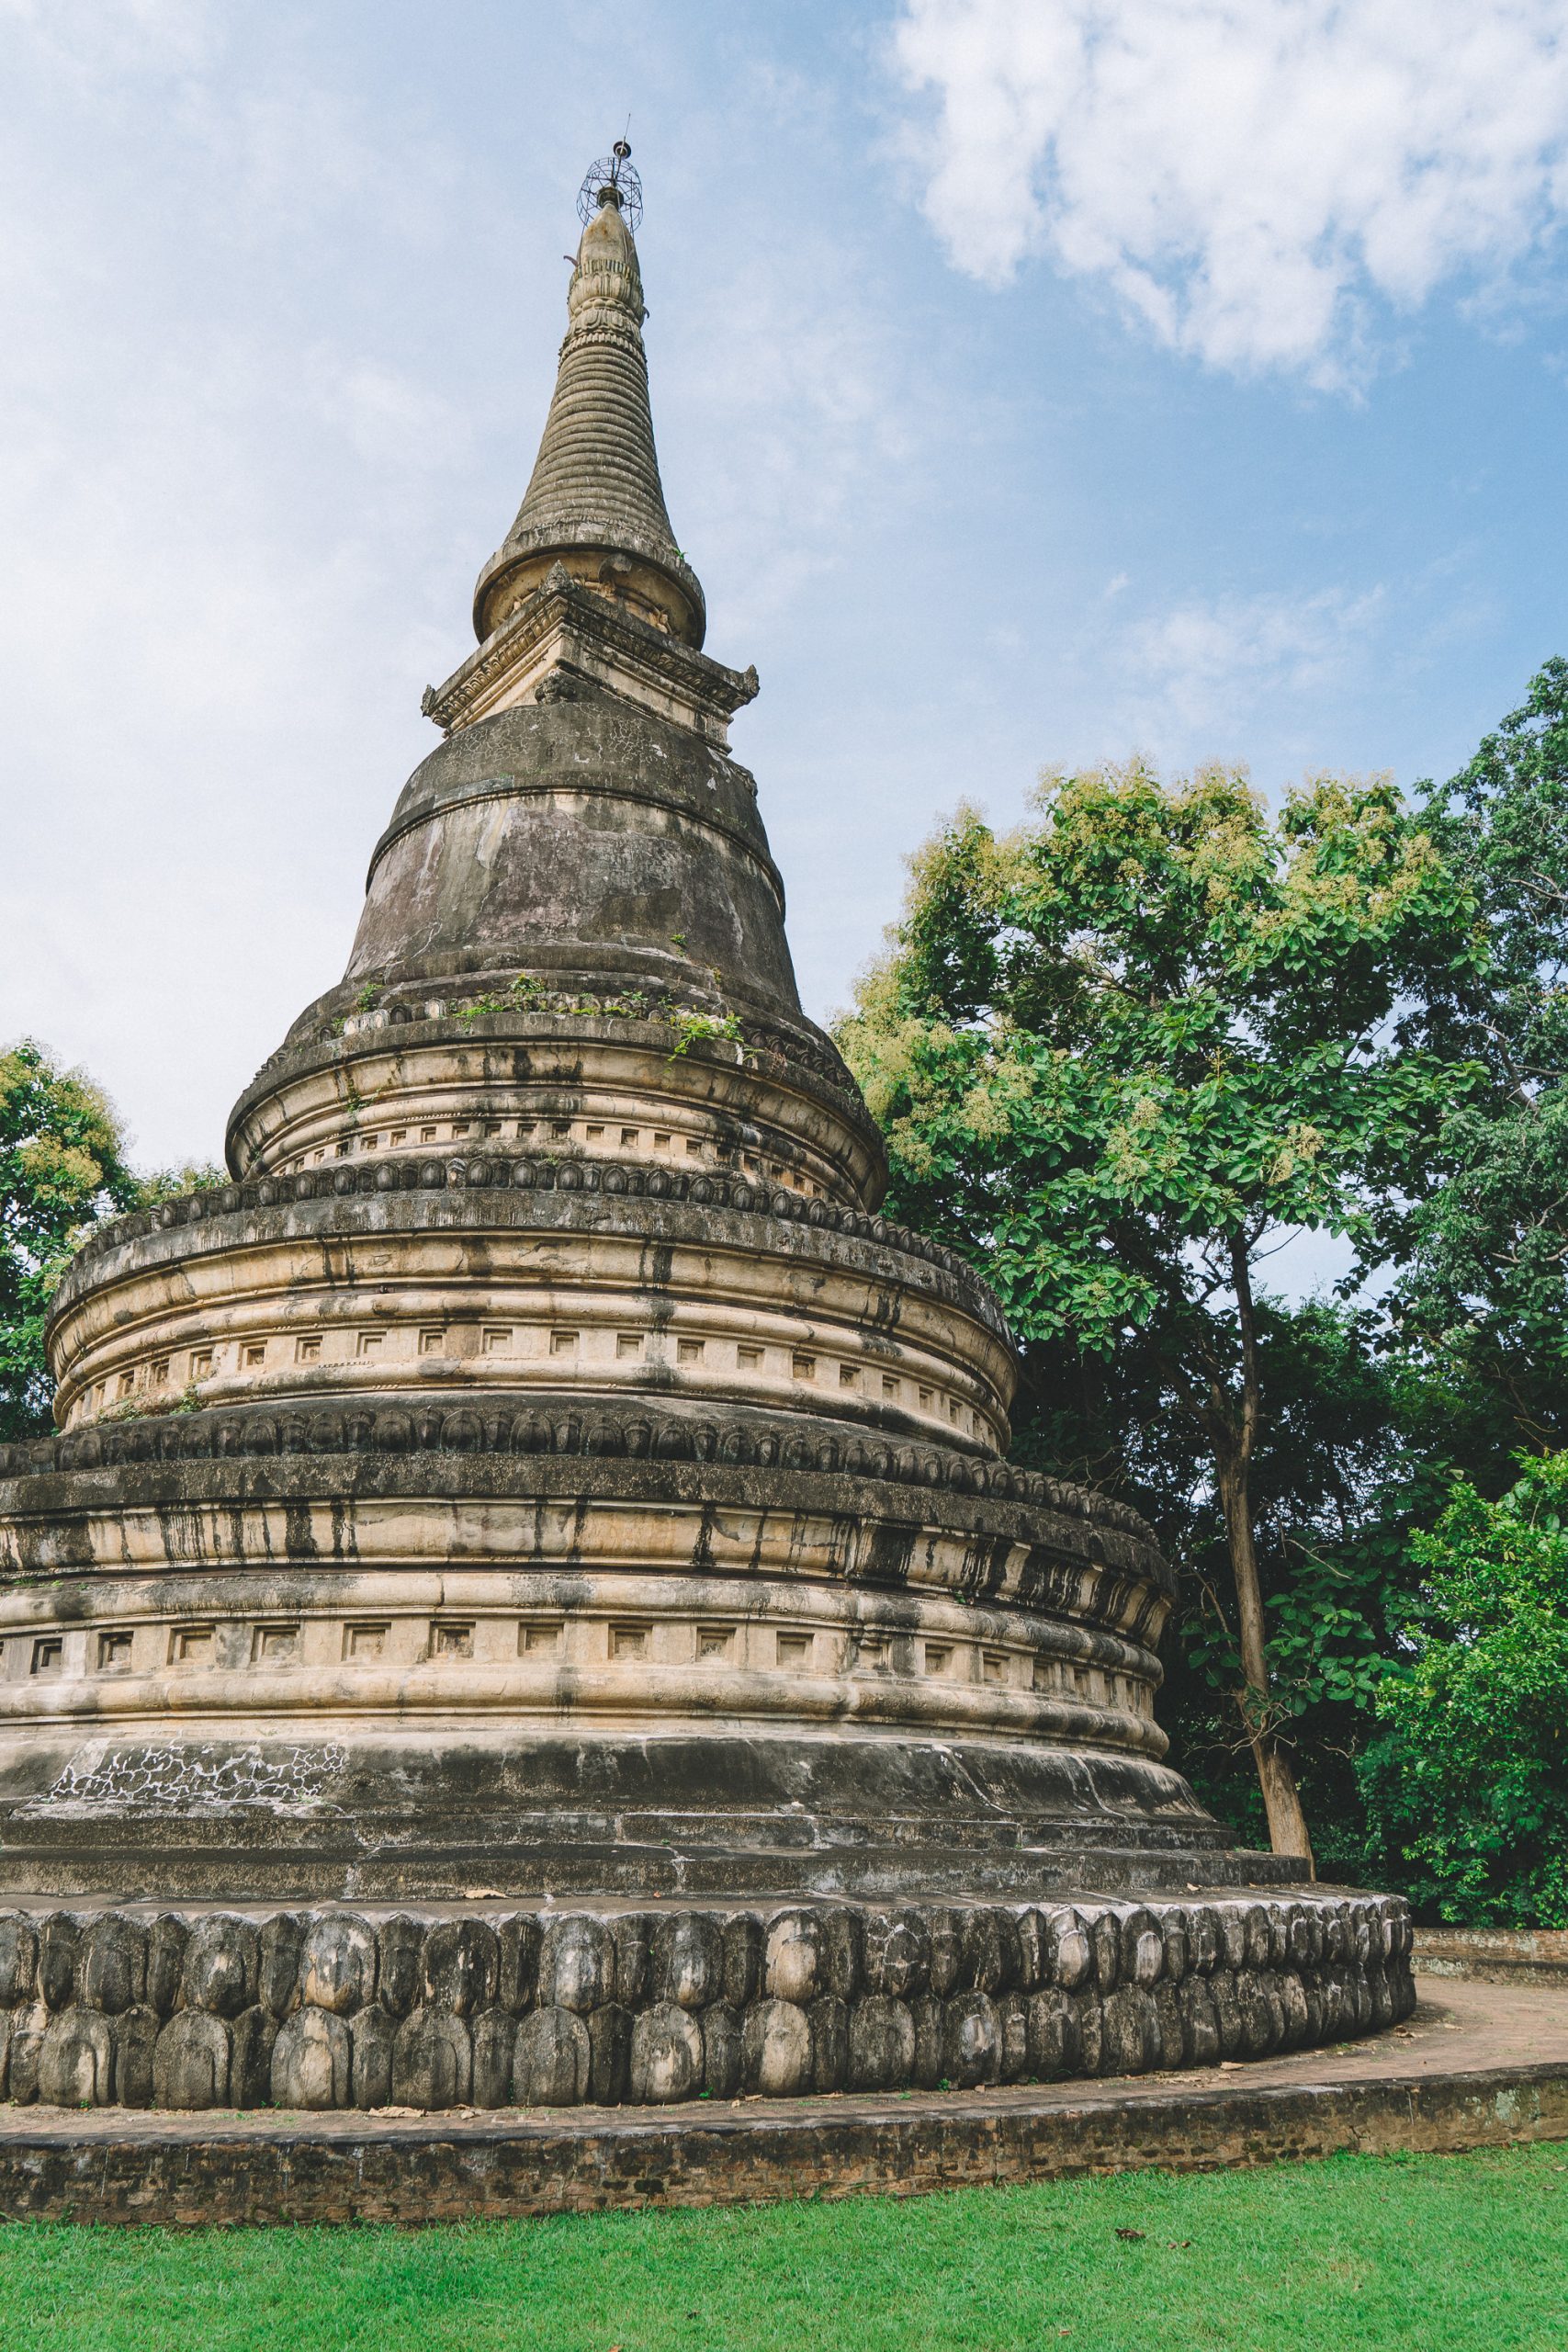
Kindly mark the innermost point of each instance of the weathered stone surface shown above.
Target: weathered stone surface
(282, 1941)
(417, 2171)
(337, 1964)
(829, 2021)
(399, 1943)
(112, 1965)
(60, 1938)
(666, 2055)
(844, 1951)
(881, 2044)
(990, 1961)
(688, 1959)
(794, 1968)
(75, 2067)
(1012, 2020)
(745, 1959)
(722, 2050)
(972, 2042)
(776, 2050)
(1070, 1950)
(462, 1966)
(190, 2061)
(610, 2053)
(371, 2033)
(222, 1970)
(18, 1959)
(433, 2061)
(1129, 2031)
(251, 2039)
(135, 2038)
(24, 2046)
(946, 1929)
(166, 1940)
(577, 1963)
(1142, 1958)
(898, 1953)
(494, 2037)
(553, 2060)
(517, 1962)
(1087, 2023)
(1053, 2035)
(630, 2050)
(311, 2061)
(1200, 2026)
(930, 2061)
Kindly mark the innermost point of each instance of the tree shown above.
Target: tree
(61, 1167)
(1486, 1291)
(1468, 1782)
(1121, 1053)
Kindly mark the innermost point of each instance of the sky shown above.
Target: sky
(1036, 381)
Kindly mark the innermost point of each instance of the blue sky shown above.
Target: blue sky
(1033, 382)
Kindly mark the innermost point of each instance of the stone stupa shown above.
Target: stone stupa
(541, 1474)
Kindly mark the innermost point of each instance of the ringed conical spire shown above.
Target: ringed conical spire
(594, 502)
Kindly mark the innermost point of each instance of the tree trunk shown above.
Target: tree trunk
(1287, 1831)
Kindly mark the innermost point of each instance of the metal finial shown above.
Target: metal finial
(612, 180)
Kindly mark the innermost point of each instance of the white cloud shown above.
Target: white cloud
(1251, 177)
(1203, 668)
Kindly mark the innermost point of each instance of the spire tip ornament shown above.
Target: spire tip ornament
(612, 180)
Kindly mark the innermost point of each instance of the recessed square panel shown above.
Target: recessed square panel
(275, 1644)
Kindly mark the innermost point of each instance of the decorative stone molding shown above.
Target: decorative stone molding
(618, 2006)
(482, 1173)
(651, 1430)
(642, 1092)
(566, 626)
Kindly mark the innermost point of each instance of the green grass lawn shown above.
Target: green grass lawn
(1425, 2254)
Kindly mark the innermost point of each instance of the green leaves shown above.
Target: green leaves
(1469, 1780)
(1153, 1019)
(60, 1169)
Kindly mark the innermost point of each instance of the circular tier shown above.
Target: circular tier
(525, 1274)
(597, 1650)
(623, 1088)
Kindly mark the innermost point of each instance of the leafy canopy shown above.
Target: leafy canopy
(1486, 1293)
(1468, 1782)
(60, 1167)
(1156, 1021)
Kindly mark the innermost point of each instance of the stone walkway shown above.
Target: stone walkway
(1477, 2064)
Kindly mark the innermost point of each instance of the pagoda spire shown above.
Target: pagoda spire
(588, 594)
(594, 502)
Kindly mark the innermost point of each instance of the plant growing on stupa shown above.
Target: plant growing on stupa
(1123, 1052)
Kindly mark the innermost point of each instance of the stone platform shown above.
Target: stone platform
(619, 2005)
(1481, 2065)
